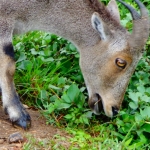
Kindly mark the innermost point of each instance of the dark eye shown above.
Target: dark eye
(121, 63)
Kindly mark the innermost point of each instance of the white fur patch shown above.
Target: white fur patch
(13, 113)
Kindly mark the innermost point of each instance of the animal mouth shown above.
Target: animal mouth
(95, 103)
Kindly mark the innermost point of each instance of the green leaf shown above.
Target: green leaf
(50, 59)
(55, 45)
(47, 38)
(135, 96)
(138, 118)
(80, 100)
(53, 87)
(61, 81)
(133, 105)
(143, 138)
(33, 51)
(89, 114)
(128, 142)
(136, 145)
(47, 52)
(20, 46)
(66, 98)
(43, 94)
(73, 92)
(148, 90)
(51, 108)
(21, 57)
(72, 47)
(85, 119)
(118, 135)
(25, 65)
(120, 122)
(53, 98)
(146, 112)
(145, 98)
(146, 128)
(141, 89)
(61, 105)
(68, 116)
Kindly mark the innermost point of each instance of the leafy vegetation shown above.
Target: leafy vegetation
(48, 77)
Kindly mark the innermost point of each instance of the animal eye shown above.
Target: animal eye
(121, 63)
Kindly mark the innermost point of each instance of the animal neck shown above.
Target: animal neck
(75, 21)
(72, 20)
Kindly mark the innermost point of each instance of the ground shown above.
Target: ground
(38, 130)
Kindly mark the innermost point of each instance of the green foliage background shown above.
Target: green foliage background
(48, 77)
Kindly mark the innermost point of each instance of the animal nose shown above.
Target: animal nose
(115, 111)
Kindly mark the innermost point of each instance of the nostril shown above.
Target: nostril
(115, 111)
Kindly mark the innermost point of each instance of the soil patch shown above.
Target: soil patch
(39, 129)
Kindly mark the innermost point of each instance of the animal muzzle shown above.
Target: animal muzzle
(97, 106)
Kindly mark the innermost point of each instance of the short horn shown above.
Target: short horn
(133, 12)
(144, 11)
(141, 25)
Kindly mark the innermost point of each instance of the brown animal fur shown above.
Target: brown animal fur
(100, 47)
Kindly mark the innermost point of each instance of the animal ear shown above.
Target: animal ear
(100, 26)
(113, 10)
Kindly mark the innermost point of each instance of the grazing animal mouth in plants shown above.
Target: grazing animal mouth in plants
(95, 104)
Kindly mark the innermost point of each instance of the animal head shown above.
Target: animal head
(108, 65)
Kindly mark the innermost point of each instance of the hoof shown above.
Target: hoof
(23, 122)
(17, 113)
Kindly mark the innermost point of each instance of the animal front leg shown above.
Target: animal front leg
(11, 103)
